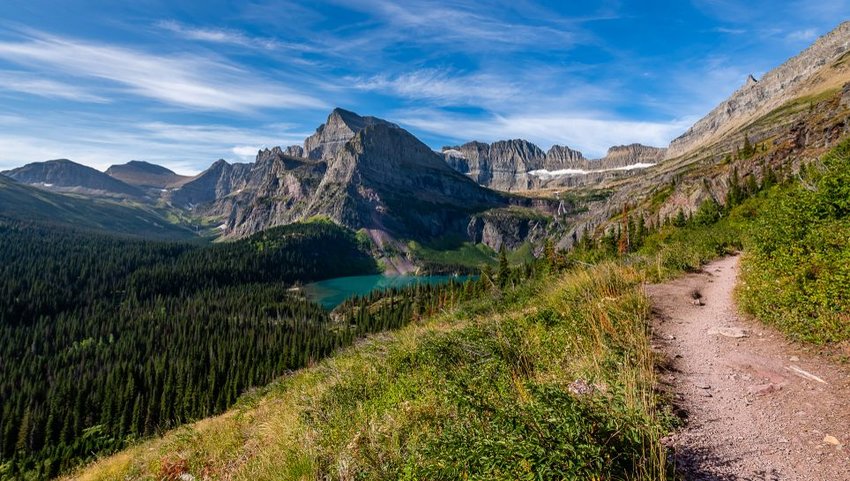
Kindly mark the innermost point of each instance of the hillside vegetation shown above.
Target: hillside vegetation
(547, 378)
(552, 381)
(25, 203)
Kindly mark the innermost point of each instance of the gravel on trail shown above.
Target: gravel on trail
(756, 405)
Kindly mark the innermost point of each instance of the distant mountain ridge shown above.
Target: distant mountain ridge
(29, 204)
(146, 175)
(519, 165)
(66, 176)
(362, 172)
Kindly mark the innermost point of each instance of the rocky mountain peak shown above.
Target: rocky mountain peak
(562, 157)
(341, 126)
(750, 81)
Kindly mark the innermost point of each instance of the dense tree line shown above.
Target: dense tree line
(105, 340)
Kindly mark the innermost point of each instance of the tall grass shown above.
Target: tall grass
(550, 380)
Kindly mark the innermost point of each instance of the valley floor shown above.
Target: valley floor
(758, 406)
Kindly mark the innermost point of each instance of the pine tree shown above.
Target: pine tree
(504, 267)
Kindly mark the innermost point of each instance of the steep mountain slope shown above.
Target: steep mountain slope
(797, 112)
(64, 175)
(793, 79)
(362, 172)
(22, 202)
(386, 179)
(144, 174)
(519, 165)
(331, 136)
(218, 181)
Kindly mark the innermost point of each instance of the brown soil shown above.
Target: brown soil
(757, 407)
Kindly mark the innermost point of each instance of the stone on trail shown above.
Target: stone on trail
(734, 332)
(831, 440)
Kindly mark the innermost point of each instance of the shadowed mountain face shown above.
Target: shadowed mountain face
(66, 176)
(145, 175)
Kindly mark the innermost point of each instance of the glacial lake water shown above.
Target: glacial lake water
(333, 292)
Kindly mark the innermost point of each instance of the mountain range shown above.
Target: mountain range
(371, 175)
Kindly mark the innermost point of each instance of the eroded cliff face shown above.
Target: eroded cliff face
(755, 98)
(518, 165)
(384, 178)
(508, 228)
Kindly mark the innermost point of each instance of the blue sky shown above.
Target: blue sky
(185, 83)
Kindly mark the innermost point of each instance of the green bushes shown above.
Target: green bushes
(796, 273)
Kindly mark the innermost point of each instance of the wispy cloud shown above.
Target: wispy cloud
(187, 81)
(228, 36)
(591, 135)
(34, 85)
(442, 87)
(185, 148)
(805, 35)
(730, 31)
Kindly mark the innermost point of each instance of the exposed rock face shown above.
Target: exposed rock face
(561, 157)
(331, 136)
(501, 228)
(518, 165)
(758, 97)
(66, 176)
(294, 151)
(386, 179)
(219, 181)
(633, 154)
(504, 165)
(276, 192)
(145, 175)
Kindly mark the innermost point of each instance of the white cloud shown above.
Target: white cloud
(440, 86)
(227, 36)
(194, 82)
(184, 148)
(44, 87)
(806, 35)
(245, 151)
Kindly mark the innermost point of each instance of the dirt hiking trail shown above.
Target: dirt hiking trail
(757, 406)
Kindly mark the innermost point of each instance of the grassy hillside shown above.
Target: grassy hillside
(27, 203)
(553, 380)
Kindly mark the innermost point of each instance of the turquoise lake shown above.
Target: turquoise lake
(332, 292)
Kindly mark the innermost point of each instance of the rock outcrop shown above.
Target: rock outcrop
(755, 98)
(331, 136)
(218, 181)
